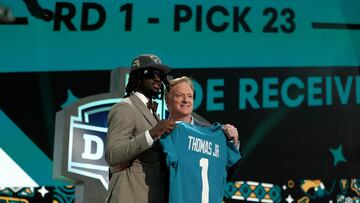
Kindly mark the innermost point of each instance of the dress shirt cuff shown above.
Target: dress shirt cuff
(148, 137)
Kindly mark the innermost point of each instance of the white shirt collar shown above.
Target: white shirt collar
(191, 121)
(142, 97)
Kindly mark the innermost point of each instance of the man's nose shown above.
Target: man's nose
(157, 78)
(185, 99)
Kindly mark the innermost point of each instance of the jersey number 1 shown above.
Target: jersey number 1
(204, 164)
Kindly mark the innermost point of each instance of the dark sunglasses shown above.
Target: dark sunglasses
(152, 73)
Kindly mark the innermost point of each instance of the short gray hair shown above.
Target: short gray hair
(185, 79)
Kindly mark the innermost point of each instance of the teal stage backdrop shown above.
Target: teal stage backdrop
(97, 35)
(285, 73)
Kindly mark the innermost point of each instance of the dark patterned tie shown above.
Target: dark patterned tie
(152, 105)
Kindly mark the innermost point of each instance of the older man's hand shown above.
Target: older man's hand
(232, 133)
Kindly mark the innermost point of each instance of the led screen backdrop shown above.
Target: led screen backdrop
(285, 73)
(184, 33)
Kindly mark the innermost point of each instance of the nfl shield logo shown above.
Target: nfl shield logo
(87, 133)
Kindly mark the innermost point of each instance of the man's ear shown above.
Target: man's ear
(139, 84)
(167, 98)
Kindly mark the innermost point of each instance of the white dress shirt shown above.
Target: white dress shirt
(145, 100)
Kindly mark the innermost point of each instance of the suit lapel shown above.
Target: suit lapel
(199, 123)
(144, 110)
(157, 116)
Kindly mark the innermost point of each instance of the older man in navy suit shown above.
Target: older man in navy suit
(179, 101)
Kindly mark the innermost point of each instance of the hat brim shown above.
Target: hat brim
(163, 68)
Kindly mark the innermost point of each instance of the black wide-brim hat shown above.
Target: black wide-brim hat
(146, 61)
